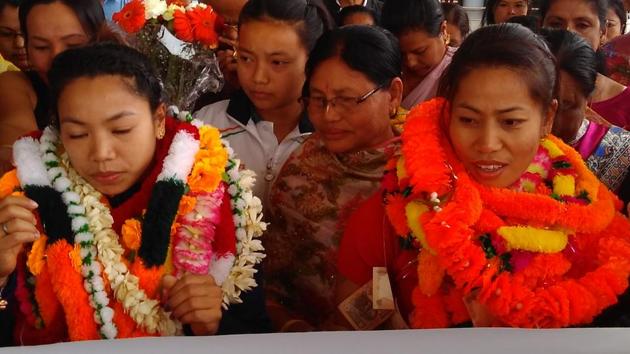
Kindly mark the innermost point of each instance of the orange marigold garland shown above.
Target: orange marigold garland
(9, 183)
(68, 287)
(525, 253)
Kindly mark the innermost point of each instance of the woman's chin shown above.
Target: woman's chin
(110, 189)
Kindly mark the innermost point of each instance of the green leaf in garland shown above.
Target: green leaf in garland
(406, 242)
(486, 244)
(52, 164)
(557, 197)
(506, 265)
(88, 259)
(562, 164)
(407, 192)
(584, 196)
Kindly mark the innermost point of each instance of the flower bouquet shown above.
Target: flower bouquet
(180, 38)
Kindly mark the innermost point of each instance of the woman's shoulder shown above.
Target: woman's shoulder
(6, 65)
(609, 89)
(14, 83)
(310, 161)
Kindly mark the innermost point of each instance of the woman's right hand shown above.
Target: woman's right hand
(18, 226)
(226, 57)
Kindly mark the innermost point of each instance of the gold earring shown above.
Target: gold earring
(161, 130)
(447, 38)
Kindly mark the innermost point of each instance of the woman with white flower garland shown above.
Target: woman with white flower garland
(122, 222)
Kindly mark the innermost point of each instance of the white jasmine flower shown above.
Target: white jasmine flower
(109, 330)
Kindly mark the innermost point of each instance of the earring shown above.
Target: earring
(447, 38)
(161, 131)
(392, 113)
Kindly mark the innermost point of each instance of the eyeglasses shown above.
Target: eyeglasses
(9, 34)
(340, 104)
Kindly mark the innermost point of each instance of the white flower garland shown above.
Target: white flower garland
(91, 268)
(146, 312)
(247, 211)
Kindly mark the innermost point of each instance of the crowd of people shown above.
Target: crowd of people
(368, 165)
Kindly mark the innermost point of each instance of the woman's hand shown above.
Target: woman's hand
(226, 57)
(18, 226)
(194, 300)
(229, 9)
(479, 313)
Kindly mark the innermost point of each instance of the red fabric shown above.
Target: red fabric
(224, 236)
(36, 134)
(616, 109)
(133, 206)
(369, 241)
(362, 245)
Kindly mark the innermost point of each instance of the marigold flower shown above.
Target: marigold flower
(186, 205)
(8, 183)
(131, 231)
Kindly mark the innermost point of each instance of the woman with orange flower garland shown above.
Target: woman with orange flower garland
(133, 223)
(486, 217)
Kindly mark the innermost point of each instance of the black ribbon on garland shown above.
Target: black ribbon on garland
(52, 213)
(156, 226)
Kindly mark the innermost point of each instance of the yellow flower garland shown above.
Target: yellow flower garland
(527, 238)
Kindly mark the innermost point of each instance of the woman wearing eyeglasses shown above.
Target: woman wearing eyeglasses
(352, 94)
(11, 37)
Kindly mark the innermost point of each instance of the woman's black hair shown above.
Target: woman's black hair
(488, 13)
(400, 16)
(599, 6)
(348, 11)
(100, 60)
(370, 50)
(89, 12)
(310, 17)
(574, 56)
(456, 15)
(494, 47)
(620, 11)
